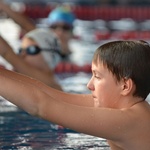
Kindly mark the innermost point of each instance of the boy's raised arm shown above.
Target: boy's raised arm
(24, 92)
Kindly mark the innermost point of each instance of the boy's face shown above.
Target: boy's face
(104, 87)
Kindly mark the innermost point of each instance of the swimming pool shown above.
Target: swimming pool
(20, 131)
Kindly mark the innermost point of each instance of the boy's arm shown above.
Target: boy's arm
(13, 79)
(23, 92)
(19, 18)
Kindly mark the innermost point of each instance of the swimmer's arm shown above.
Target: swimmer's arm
(22, 67)
(111, 124)
(19, 18)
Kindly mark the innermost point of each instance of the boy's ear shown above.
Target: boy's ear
(127, 86)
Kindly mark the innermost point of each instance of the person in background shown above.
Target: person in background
(60, 20)
(37, 57)
(116, 108)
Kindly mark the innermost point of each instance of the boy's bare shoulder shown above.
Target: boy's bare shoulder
(137, 128)
(140, 108)
(139, 112)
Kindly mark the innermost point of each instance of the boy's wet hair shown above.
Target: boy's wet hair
(127, 59)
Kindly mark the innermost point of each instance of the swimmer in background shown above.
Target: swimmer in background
(37, 57)
(60, 20)
(116, 108)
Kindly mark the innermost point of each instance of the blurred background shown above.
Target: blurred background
(97, 18)
(97, 21)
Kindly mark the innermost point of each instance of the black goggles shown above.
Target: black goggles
(64, 27)
(34, 50)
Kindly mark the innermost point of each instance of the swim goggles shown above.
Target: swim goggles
(34, 50)
(64, 27)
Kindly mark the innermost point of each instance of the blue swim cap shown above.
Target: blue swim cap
(61, 15)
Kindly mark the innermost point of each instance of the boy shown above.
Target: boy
(116, 108)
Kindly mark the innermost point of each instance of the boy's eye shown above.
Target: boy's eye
(96, 76)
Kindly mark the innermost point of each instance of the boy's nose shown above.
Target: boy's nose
(90, 85)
